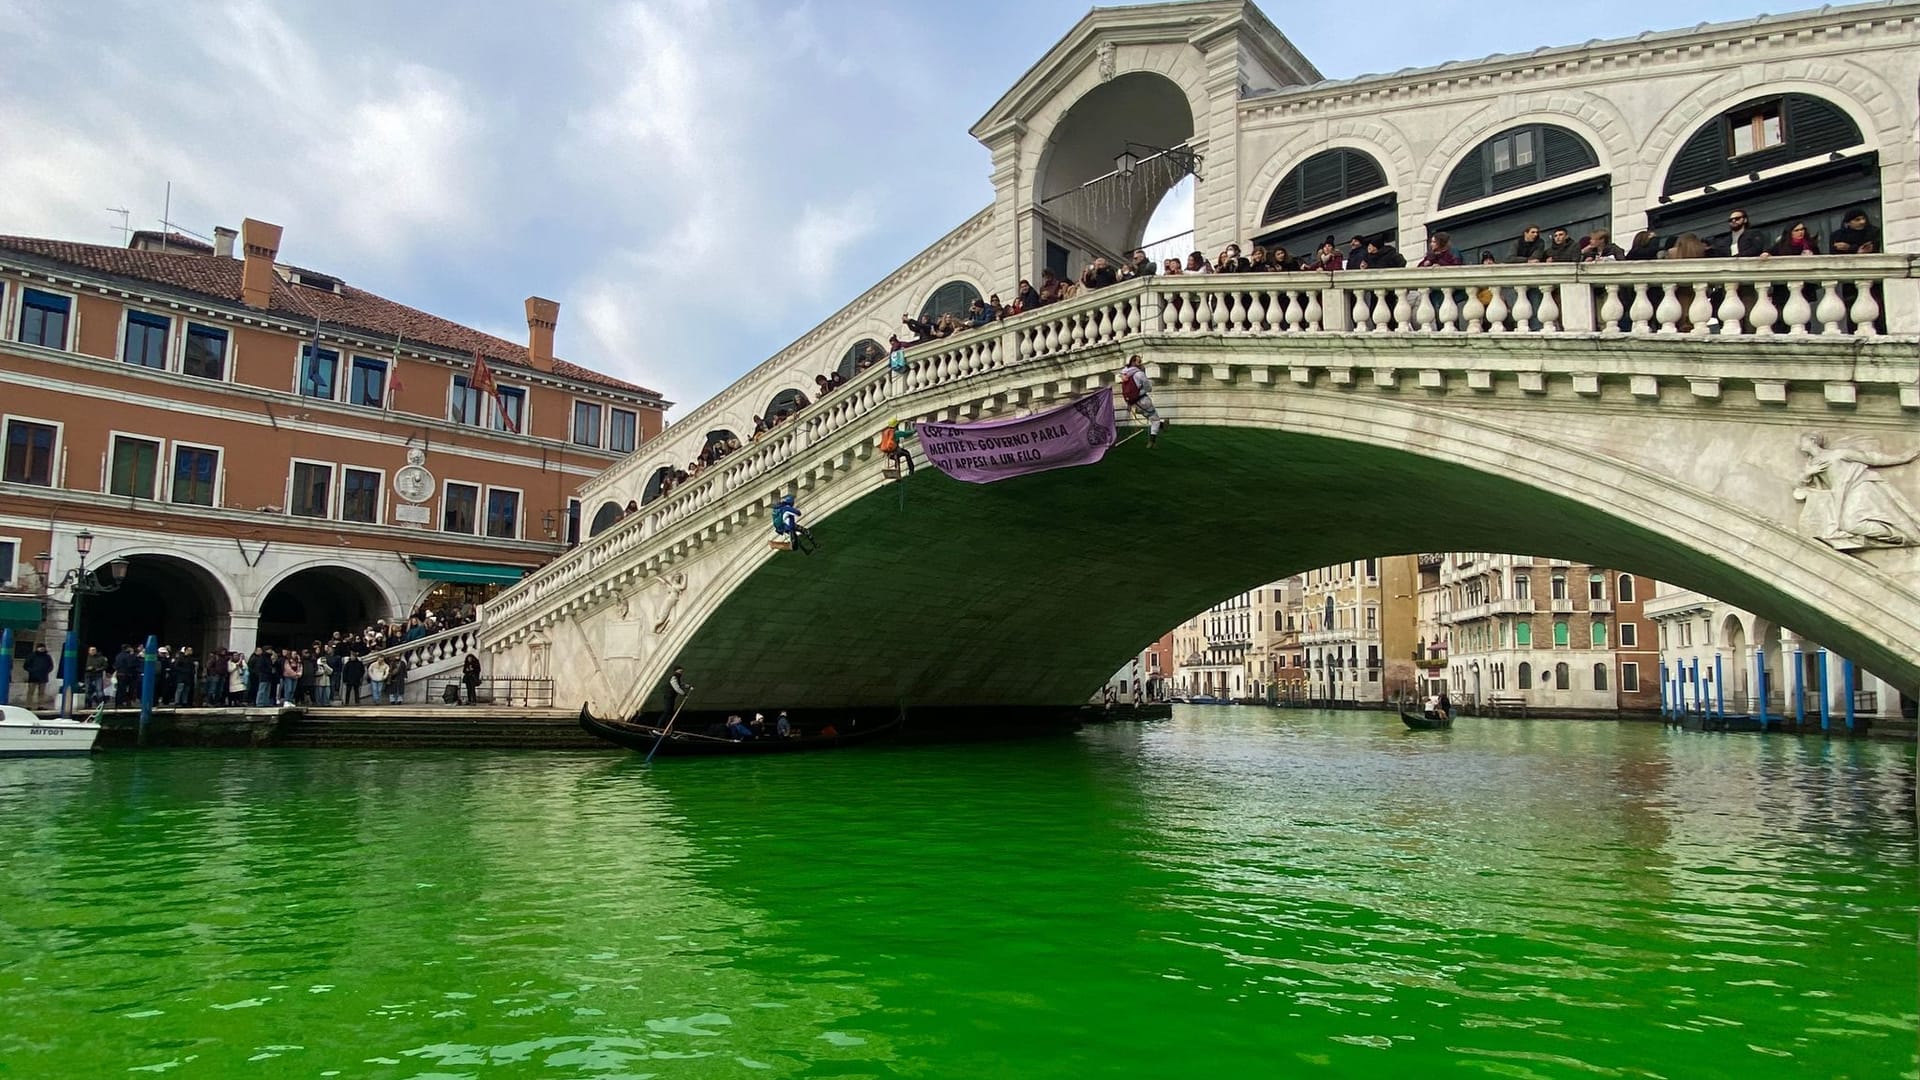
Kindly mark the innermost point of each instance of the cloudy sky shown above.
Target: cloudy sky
(698, 183)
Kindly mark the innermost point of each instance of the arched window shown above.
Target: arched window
(1759, 134)
(1599, 634)
(1624, 593)
(952, 298)
(1560, 634)
(1327, 177)
(1599, 676)
(784, 402)
(1523, 633)
(656, 485)
(1526, 676)
(864, 354)
(1517, 158)
(1562, 677)
(604, 518)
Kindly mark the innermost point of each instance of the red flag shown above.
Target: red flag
(483, 381)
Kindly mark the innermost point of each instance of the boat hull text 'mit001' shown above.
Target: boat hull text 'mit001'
(23, 734)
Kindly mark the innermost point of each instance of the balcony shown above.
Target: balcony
(1600, 607)
(1562, 607)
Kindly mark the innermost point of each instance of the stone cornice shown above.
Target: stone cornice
(1681, 49)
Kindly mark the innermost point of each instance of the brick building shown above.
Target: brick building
(276, 453)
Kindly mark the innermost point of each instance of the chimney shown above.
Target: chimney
(260, 245)
(223, 238)
(541, 317)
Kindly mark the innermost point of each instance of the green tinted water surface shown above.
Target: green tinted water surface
(1237, 893)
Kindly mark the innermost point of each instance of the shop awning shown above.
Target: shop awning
(468, 573)
(19, 614)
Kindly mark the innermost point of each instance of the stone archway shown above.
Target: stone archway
(1735, 669)
(309, 605)
(180, 602)
(1092, 208)
(604, 517)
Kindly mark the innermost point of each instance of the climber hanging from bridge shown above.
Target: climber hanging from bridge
(788, 531)
(893, 444)
(1137, 391)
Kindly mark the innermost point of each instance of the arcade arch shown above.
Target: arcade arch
(610, 511)
(311, 603)
(859, 356)
(177, 600)
(1510, 180)
(1349, 184)
(1089, 208)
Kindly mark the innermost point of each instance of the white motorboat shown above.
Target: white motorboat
(22, 734)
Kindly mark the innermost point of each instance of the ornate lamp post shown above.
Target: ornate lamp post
(81, 582)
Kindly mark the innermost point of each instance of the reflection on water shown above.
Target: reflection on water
(1238, 892)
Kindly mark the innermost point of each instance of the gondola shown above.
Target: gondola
(638, 736)
(1420, 721)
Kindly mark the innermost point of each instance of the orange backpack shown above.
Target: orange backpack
(888, 442)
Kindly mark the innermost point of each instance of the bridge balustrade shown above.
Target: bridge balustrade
(1803, 297)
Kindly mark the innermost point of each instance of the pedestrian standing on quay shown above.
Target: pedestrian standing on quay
(397, 681)
(96, 675)
(470, 678)
(377, 672)
(354, 673)
(236, 679)
(324, 677)
(39, 669)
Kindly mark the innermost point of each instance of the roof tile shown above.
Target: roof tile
(356, 309)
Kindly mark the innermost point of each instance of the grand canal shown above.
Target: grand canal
(1235, 893)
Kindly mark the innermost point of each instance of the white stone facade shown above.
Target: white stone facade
(1714, 657)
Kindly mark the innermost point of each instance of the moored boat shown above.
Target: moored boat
(1419, 721)
(639, 736)
(24, 734)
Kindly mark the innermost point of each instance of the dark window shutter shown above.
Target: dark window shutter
(1565, 153)
(1469, 179)
(949, 299)
(1814, 127)
(1322, 180)
(1702, 159)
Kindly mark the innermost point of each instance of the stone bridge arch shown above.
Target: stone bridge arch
(1017, 579)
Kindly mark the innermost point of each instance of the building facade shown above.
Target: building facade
(1714, 657)
(276, 454)
(1357, 631)
(1548, 634)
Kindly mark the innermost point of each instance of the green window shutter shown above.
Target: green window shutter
(1560, 633)
(1600, 633)
(1523, 633)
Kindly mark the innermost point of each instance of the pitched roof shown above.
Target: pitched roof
(172, 240)
(218, 279)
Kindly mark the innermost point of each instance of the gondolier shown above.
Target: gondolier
(677, 687)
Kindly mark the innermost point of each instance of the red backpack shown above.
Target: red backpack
(1129, 388)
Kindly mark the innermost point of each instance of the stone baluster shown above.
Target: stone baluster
(1189, 312)
(1134, 319)
(1700, 311)
(1733, 312)
(1362, 312)
(1496, 309)
(1866, 311)
(1550, 310)
(1522, 311)
(1382, 314)
(1053, 338)
(1798, 312)
(1314, 313)
(1214, 314)
(1765, 313)
(1402, 312)
(1424, 313)
(1256, 312)
(1832, 310)
(1667, 315)
(1296, 316)
(1237, 314)
(1611, 309)
(1079, 324)
(1473, 310)
(1642, 311)
(1449, 311)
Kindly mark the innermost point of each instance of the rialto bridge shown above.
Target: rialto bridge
(1738, 426)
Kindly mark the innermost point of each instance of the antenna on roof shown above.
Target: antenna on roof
(126, 229)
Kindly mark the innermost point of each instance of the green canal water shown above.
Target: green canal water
(1235, 893)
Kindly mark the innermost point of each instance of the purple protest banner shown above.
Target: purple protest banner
(1077, 433)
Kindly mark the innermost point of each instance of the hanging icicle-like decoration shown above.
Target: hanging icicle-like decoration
(1106, 205)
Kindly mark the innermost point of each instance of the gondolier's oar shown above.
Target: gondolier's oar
(668, 730)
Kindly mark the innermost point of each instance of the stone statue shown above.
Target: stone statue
(1105, 56)
(675, 584)
(1846, 504)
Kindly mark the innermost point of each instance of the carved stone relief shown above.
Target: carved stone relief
(1846, 503)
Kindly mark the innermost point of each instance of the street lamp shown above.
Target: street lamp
(1126, 161)
(81, 582)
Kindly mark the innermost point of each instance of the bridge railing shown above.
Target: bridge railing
(1803, 297)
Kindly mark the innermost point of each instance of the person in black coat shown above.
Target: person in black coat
(39, 669)
(1742, 240)
(470, 677)
(352, 675)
